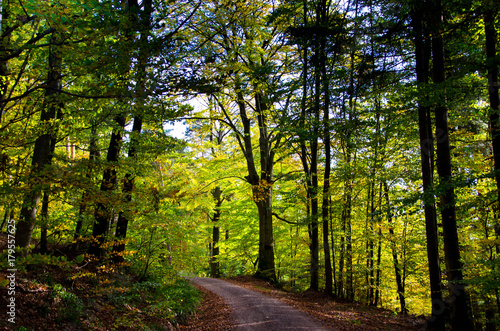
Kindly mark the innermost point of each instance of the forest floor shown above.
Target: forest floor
(215, 314)
(65, 290)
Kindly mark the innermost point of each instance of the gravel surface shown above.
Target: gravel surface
(254, 311)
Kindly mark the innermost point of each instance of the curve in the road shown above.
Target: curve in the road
(255, 311)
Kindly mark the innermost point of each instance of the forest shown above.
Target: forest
(347, 147)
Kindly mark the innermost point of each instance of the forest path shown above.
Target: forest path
(255, 311)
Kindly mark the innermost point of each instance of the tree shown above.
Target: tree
(249, 63)
(427, 164)
(44, 145)
(128, 182)
(461, 315)
(492, 66)
(109, 181)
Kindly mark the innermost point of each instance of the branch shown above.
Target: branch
(219, 179)
(229, 122)
(29, 42)
(83, 96)
(206, 118)
(171, 34)
(44, 86)
(232, 126)
(22, 21)
(286, 175)
(285, 220)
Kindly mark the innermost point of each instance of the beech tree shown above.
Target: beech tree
(249, 53)
(460, 310)
(422, 58)
(44, 144)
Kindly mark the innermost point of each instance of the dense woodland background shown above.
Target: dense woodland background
(350, 147)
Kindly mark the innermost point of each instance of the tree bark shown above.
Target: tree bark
(492, 65)
(128, 185)
(461, 316)
(44, 215)
(261, 185)
(263, 194)
(346, 286)
(340, 274)
(422, 57)
(43, 150)
(369, 238)
(309, 158)
(4, 65)
(397, 267)
(124, 216)
(493, 87)
(103, 213)
(325, 207)
(313, 167)
(214, 253)
(371, 209)
(108, 184)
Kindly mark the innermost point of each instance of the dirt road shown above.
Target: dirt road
(254, 311)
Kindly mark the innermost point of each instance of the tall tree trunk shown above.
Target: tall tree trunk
(372, 287)
(397, 267)
(379, 252)
(44, 215)
(422, 57)
(45, 200)
(370, 215)
(42, 152)
(128, 185)
(128, 182)
(310, 158)
(108, 184)
(350, 275)
(214, 254)
(264, 191)
(261, 185)
(334, 250)
(340, 274)
(492, 65)
(263, 195)
(346, 290)
(314, 233)
(93, 155)
(103, 212)
(325, 207)
(369, 237)
(347, 223)
(461, 316)
(4, 45)
(216, 136)
(350, 158)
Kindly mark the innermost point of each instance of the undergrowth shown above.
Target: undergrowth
(76, 293)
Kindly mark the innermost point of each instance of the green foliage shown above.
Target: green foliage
(173, 300)
(178, 300)
(35, 260)
(71, 305)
